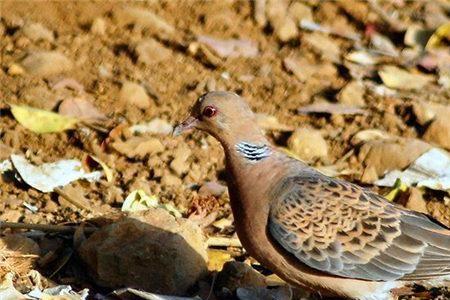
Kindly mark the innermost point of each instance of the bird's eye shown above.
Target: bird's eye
(209, 111)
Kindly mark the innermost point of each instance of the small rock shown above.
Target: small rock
(427, 111)
(11, 216)
(323, 45)
(416, 201)
(179, 164)
(260, 293)
(390, 154)
(299, 11)
(15, 70)
(352, 94)
(98, 26)
(144, 19)
(304, 70)
(284, 25)
(149, 250)
(134, 94)
(308, 144)
(236, 275)
(138, 147)
(171, 180)
(156, 126)
(50, 207)
(82, 109)
(212, 188)
(46, 63)
(36, 32)
(439, 132)
(39, 97)
(268, 122)
(369, 175)
(150, 51)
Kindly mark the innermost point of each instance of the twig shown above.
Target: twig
(394, 23)
(218, 241)
(44, 227)
(72, 200)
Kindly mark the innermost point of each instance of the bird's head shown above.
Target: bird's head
(221, 114)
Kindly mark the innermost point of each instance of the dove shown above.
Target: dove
(312, 230)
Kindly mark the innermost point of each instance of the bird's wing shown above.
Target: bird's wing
(342, 229)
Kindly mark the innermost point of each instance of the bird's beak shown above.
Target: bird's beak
(186, 125)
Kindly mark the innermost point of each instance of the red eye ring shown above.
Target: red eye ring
(209, 111)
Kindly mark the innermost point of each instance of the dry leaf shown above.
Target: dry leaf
(42, 121)
(47, 177)
(138, 200)
(109, 173)
(439, 37)
(397, 78)
(217, 258)
(80, 108)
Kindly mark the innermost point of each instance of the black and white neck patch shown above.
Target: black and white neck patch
(253, 152)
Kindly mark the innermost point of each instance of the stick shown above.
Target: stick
(44, 227)
(219, 241)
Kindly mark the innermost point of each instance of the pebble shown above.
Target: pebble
(283, 24)
(171, 180)
(156, 126)
(352, 94)
(36, 32)
(134, 94)
(416, 201)
(145, 19)
(98, 26)
(15, 70)
(212, 188)
(46, 63)
(308, 144)
(11, 216)
(323, 45)
(236, 275)
(138, 146)
(179, 164)
(149, 250)
(299, 11)
(150, 51)
(438, 132)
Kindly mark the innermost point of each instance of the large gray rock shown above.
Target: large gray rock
(150, 250)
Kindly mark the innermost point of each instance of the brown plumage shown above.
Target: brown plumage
(313, 230)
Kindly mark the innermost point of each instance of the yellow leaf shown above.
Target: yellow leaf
(217, 258)
(42, 121)
(138, 200)
(438, 38)
(398, 187)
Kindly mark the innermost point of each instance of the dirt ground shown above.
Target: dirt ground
(102, 44)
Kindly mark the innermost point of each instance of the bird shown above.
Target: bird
(315, 231)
